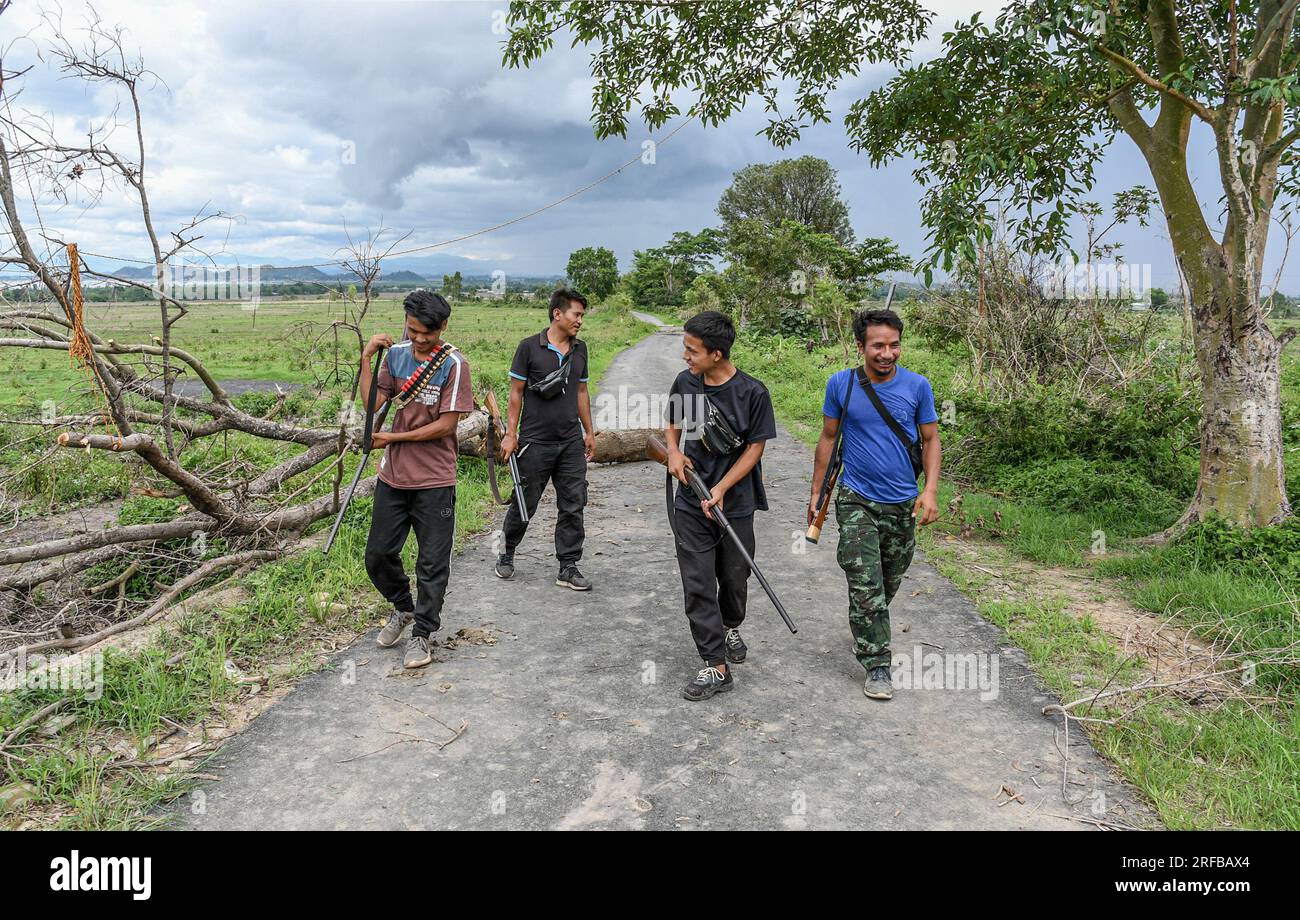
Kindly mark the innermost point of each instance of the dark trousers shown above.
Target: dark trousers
(565, 464)
(714, 579)
(432, 512)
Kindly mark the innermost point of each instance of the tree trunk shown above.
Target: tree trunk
(621, 445)
(1242, 476)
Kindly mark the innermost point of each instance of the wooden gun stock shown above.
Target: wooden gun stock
(815, 528)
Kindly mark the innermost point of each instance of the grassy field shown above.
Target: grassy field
(273, 342)
(281, 620)
(283, 341)
(1202, 764)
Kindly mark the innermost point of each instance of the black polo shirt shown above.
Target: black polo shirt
(747, 406)
(549, 419)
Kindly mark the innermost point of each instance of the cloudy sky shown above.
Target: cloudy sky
(262, 104)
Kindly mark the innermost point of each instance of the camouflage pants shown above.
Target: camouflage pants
(876, 546)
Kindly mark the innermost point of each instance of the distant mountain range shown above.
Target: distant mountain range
(290, 273)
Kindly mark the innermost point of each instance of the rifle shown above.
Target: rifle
(656, 451)
(835, 464)
(495, 426)
(373, 424)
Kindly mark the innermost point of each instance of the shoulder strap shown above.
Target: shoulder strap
(884, 413)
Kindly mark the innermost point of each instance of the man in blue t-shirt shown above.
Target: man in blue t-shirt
(877, 504)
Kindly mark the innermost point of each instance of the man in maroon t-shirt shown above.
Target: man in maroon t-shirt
(417, 475)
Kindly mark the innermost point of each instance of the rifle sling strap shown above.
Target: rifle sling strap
(908, 443)
(672, 520)
(492, 447)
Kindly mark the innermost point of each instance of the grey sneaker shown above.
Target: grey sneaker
(878, 685)
(418, 653)
(708, 682)
(392, 630)
(505, 567)
(736, 648)
(570, 577)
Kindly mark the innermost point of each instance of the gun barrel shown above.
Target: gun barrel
(520, 502)
(347, 499)
(749, 560)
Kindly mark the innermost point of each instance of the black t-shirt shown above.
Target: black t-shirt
(549, 419)
(747, 407)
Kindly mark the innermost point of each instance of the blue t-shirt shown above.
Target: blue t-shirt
(876, 465)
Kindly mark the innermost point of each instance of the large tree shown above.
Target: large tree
(1020, 112)
(804, 189)
(594, 270)
(660, 277)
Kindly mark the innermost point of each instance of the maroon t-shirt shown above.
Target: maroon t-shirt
(423, 464)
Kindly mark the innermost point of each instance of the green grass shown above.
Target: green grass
(1235, 764)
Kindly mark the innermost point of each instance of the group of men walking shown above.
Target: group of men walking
(718, 422)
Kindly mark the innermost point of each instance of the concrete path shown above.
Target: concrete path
(574, 714)
(645, 318)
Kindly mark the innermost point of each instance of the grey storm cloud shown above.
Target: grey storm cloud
(267, 104)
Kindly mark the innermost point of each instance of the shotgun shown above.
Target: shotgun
(656, 451)
(495, 426)
(835, 464)
(374, 422)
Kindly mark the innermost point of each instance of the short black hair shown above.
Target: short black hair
(865, 318)
(714, 329)
(429, 307)
(561, 299)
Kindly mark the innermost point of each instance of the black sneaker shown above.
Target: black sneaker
(708, 682)
(736, 648)
(570, 577)
(878, 685)
(505, 567)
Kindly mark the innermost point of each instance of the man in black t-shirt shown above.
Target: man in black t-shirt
(549, 386)
(719, 420)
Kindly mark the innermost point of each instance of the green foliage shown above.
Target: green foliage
(143, 509)
(734, 50)
(593, 271)
(1114, 488)
(805, 190)
(1144, 428)
(660, 277)
(1265, 551)
(256, 402)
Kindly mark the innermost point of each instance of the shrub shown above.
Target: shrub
(1216, 543)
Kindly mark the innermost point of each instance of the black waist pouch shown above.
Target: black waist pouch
(553, 384)
(716, 434)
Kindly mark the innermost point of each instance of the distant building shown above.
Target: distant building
(488, 294)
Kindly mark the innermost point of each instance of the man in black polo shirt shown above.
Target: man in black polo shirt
(719, 420)
(549, 385)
